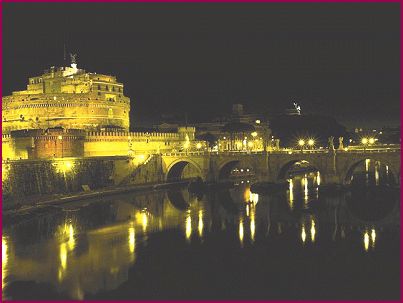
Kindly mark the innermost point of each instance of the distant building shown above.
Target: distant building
(237, 131)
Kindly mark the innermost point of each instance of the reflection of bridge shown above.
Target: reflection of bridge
(335, 166)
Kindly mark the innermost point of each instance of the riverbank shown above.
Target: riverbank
(33, 203)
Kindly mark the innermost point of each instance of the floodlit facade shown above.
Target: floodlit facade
(67, 97)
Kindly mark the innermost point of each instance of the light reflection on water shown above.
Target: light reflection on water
(93, 251)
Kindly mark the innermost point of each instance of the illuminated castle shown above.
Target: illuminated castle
(68, 112)
(67, 97)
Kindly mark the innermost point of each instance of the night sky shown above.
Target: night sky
(334, 59)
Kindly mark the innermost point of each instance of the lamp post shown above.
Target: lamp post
(311, 143)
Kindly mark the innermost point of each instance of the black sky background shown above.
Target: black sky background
(339, 59)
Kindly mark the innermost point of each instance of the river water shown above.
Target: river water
(227, 243)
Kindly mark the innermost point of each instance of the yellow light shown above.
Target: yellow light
(241, 235)
(200, 226)
(71, 242)
(371, 140)
(60, 137)
(132, 239)
(313, 231)
(188, 228)
(303, 234)
(252, 223)
(364, 140)
(291, 197)
(366, 241)
(301, 142)
(373, 237)
(250, 144)
(4, 260)
(144, 221)
(198, 145)
(254, 134)
(311, 142)
(142, 157)
(257, 121)
(63, 255)
(64, 166)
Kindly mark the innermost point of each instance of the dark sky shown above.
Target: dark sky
(337, 59)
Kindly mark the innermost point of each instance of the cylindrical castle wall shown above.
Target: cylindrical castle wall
(69, 112)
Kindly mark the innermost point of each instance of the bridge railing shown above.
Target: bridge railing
(393, 149)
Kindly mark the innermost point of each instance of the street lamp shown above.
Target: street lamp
(371, 140)
(301, 143)
(311, 142)
(254, 134)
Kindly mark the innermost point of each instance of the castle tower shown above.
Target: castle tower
(67, 97)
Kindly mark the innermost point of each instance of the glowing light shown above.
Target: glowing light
(364, 140)
(198, 145)
(367, 162)
(142, 157)
(188, 226)
(254, 134)
(313, 231)
(291, 193)
(303, 234)
(371, 140)
(64, 166)
(4, 260)
(257, 121)
(63, 255)
(318, 178)
(305, 182)
(253, 197)
(241, 232)
(144, 221)
(366, 241)
(376, 174)
(60, 137)
(71, 241)
(301, 142)
(252, 224)
(132, 239)
(200, 226)
(311, 142)
(373, 237)
(250, 144)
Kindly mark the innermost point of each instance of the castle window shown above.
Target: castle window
(113, 88)
(99, 87)
(106, 87)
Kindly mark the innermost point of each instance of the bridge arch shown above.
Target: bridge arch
(177, 168)
(225, 169)
(285, 168)
(347, 176)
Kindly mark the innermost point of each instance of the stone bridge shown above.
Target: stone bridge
(335, 166)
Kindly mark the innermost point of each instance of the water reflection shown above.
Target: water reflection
(92, 251)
